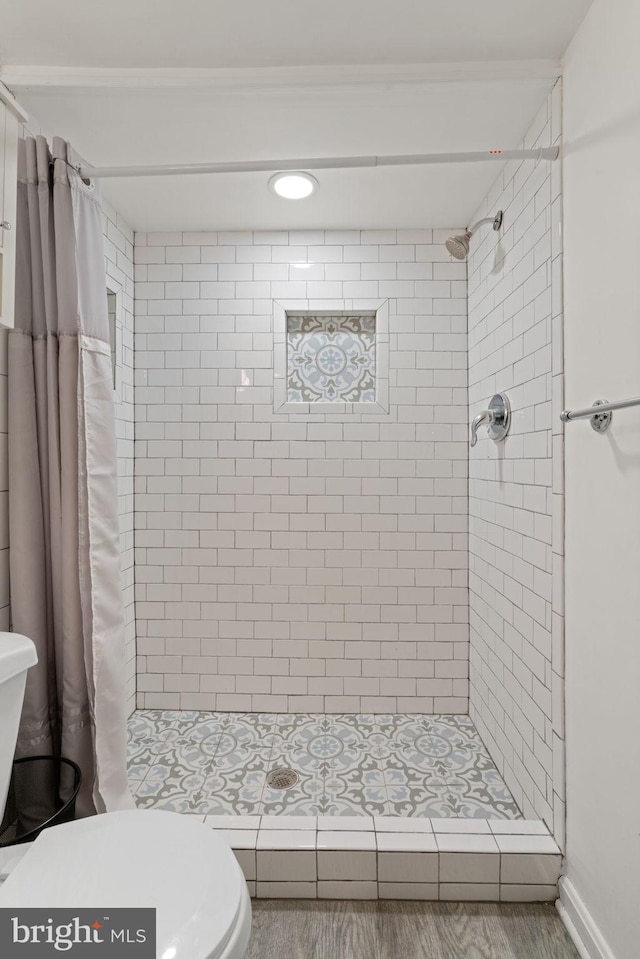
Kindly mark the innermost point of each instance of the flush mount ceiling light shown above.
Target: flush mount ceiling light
(294, 185)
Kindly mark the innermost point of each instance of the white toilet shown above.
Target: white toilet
(134, 858)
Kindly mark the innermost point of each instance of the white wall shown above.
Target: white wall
(290, 562)
(515, 316)
(602, 359)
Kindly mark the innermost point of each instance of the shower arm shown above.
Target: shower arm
(496, 220)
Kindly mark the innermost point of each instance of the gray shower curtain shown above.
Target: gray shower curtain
(63, 523)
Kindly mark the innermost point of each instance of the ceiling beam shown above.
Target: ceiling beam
(250, 79)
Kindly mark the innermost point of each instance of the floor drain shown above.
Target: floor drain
(282, 778)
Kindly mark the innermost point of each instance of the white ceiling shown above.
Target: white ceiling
(227, 33)
(188, 106)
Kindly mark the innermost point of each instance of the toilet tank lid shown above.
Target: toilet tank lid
(168, 861)
(17, 654)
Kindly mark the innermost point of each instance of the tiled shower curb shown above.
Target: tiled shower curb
(386, 857)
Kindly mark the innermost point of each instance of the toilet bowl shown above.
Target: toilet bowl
(141, 858)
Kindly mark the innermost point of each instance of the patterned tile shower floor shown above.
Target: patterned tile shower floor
(402, 765)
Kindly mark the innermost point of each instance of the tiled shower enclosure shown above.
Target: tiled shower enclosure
(304, 522)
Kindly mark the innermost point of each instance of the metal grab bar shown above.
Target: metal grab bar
(600, 413)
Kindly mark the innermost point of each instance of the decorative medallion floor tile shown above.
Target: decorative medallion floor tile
(156, 723)
(361, 785)
(303, 799)
(137, 772)
(176, 791)
(394, 765)
(331, 358)
(235, 789)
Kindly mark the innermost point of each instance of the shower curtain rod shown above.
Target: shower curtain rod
(315, 163)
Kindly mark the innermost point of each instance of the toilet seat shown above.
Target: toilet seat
(142, 858)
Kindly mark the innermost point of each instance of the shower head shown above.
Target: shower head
(458, 246)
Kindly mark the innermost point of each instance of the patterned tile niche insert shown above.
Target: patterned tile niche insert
(348, 765)
(331, 359)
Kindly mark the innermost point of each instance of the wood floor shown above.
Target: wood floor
(286, 929)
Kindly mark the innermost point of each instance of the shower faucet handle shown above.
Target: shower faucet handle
(497, 419)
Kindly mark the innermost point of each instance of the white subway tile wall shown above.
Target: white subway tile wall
(516, 488)
(118, 244)
(292, 562)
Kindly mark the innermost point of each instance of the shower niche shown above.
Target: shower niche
(331, 358)
(331, 361)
